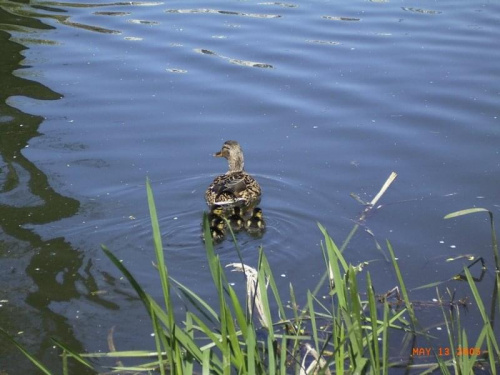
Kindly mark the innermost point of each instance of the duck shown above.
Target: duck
(218, 230)
(236, 219)
(235, 187)
(256, 222)
(216, 212)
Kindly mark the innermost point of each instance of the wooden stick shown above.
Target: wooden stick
(374, 201)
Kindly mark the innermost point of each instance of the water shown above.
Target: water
(326, 98)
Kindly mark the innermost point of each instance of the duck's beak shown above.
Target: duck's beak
(218, 154)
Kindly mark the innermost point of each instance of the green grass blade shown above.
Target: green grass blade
(72, 353)
(490, 334)
(261, 280)
(157, 334)
(33, 360)
(238, 311)
(334, 257)
(330, 244)
(140, 292)
(430, 285)
(158, 246)
(200, 305)
(385, 341)
(373, 338)
(492, 224)
(122, 354)
(181, 337)
(271, 357)
(251, 342)
(207, 368)
(283, 354)
(272, 283)
(404, 292)
(451, 339)
(65, 363)
(465, 212)
(213, 337)
(237, 356)
(312, 315)
(188, 363)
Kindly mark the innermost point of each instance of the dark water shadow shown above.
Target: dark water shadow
(38, 275)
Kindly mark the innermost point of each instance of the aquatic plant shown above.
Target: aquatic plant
(342, 332)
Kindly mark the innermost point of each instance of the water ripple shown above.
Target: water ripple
(178, 71)
(418, 10)
(285, 5)
(224, 12)
(329, 42)
(251, 64)
(95, 5)
(114, 14)
(336, 18)
(144, 22)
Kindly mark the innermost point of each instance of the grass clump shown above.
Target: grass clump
(347, 331)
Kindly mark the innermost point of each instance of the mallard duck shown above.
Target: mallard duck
(215, 213)
(236, 220)
(256, 222)
(218, 230)
(235, 186)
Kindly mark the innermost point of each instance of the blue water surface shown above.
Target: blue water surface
(327, 98)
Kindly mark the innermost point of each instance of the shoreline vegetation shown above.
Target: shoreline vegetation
(346, 332)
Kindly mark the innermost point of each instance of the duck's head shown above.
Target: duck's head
(219, 224)
(231, 150)
(216, 210)
(257, 212)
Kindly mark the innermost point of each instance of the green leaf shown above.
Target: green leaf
(26, 353)
(465, 212)
(73, 354)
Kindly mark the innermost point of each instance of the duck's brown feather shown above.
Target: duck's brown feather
(233, 188)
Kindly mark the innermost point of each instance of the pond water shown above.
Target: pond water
(326, 99)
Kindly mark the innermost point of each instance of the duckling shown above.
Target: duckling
(236, 219)
(256, 222)
(218, 230)
(215, 213)
(236, 185)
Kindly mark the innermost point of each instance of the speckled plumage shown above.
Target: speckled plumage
(215, 214)
(218, 230)
(235, 187)
(236, 219)
(256, 222)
